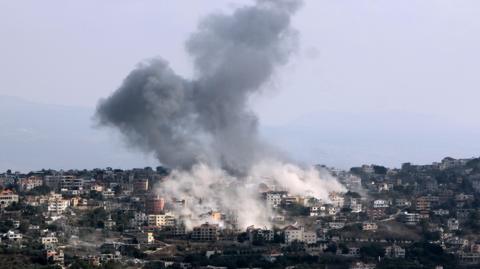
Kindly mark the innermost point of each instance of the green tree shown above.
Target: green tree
(372, 251)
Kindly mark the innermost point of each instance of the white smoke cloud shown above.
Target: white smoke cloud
(297, 180)
(204, 129)
(206, 189)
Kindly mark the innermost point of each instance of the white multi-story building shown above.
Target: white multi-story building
(380, 203)
(369, 226)
(395, 252)
(441, 212)
(145, 238)
(30, 183)
(411, 218)
(57, 205)
(13, 236)
(292, 233)
(332, 210)
(55, 181)
(314, 211)
(49, 240)
(56, 256)
(356, 208)
(353, 182)
(108, 193)
(72, 185)
(161, 220)
(139, 219)
(8, 197)
(309, 237)
(403, 202)
(362, 265)
(96, 187)
(336, 225)
(274, 199)
(336, 199)
(453, 224)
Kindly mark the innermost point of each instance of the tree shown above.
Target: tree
(23, 228)
(117, 189)
(94, 218)
(353, 194)
(372, 251)
(380, 170)
(332, 248)
(473, 222)
(122, 218)
(397, 264)
(15, 206)
(242, 237)
(40, 190)
(430, 255)
(6, 225)
(297, 210)
(95, 195)
(80, 264)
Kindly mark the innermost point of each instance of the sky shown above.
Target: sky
(372, 81)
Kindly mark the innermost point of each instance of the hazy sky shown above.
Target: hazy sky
(364, 59)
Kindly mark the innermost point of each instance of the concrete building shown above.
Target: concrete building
(410, 218)
(7, 197)
(27, 184)
(353, 182)
(380, 203)
(292, 234)
(57, 205)
(309, 237)
(376, 213)
(154, 204)
(55, 256)
(139, 219)
(402, 202)
(109, 223)
(336, 199)
(108, 193)
(260, 234)
(140, 186)
(369, 226)
(161, 220)
(336, 225)
(54, 181)
(71, 184)
(395, 252)
(453, 224)
(206, 232)
(49, 240)
(13, 236)
(274, 199)
(422, 204)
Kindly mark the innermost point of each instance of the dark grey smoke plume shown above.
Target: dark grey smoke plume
(206, 119)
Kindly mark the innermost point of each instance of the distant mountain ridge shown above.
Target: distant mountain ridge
(35, 136)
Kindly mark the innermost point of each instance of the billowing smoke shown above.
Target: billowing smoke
(203, 127)
(206, 189)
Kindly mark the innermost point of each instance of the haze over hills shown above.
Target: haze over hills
(35, 136)
(349, 139)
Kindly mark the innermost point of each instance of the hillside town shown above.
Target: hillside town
(416, 216)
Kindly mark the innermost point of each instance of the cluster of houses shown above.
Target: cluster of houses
(109, 214)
